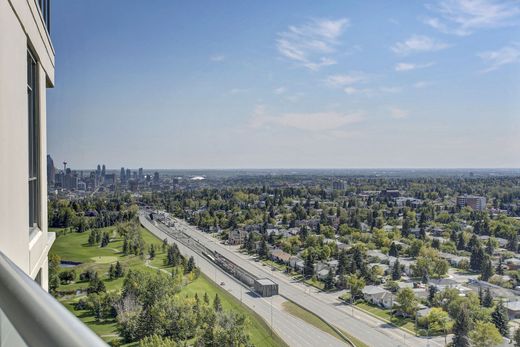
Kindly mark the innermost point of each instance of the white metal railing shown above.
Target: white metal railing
(29, 316)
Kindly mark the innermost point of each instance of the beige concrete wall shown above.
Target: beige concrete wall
(21, 26)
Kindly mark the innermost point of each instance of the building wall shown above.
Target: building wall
(21, 26)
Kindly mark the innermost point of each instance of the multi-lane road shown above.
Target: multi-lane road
(293, 331)
(366, 328)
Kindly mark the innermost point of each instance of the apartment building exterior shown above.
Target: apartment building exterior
(26, 71)
(29, 316)
(478, 203)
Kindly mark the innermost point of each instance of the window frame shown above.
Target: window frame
(34, 145)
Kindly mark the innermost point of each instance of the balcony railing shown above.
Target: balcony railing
(29, 316)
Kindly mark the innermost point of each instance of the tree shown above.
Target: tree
(111, 272)
(217, 304)
(431, 293)
(516, 338)
(105, 240)
(476, 258)
(407, 301)
(118, 270)
(490, 248)
(487, 299)
(262, 250)
(461, 328)
(206, 298)
(500, 266)
(308, 268)
(500, 319)
(152, 251)
(157, 341)
(461, 243)
(485, 334)
(190, 265)
(396, 270)
(356, 285)
(394, 250)
(96, 285)
(486, 269)
(329, 281)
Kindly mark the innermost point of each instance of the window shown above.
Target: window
(45, 8)
(34, 142)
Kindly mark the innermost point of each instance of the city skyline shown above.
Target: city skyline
(293, 85)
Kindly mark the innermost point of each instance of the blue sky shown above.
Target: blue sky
(286, 84)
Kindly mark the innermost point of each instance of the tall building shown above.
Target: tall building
(28, 315)
(141, 175)
(98, 170)
(122, 176)
(103, 171)
(51, 171)
(156, 177)
(128, 175)
(477, 203)
(338, 185)
(26, 71)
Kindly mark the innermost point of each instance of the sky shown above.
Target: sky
(286, 84)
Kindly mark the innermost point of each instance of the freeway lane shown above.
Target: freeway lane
(363, 326)
(293, 331)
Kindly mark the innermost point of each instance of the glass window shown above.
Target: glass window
(34, 142)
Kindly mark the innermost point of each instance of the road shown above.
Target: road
(365, 327)
(293, 331)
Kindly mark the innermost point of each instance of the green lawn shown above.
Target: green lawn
(316, 321)
(315, 283)
(279, 267)
(403, 323)
(74, 247)
(259, 330)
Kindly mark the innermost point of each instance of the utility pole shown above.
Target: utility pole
(271, 315)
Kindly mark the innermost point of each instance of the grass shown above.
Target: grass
(74, 247)
(259, 331)
(400, 322)
(315, 283)
(311, 318)
(357, 342)
(279, 267)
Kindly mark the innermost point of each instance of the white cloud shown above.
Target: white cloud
(347, 79)
(391, 89)
(217, 58)
(314, 122)
(418, 43)
(463, 17)
(310, 45)
(280, 90)
(422, 84)
(354, 90)
(506, 55)
(398, 113)
(399, 67)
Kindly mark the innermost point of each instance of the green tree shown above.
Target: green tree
(356, 285)
(118, 270)
(396, 270)
(157, 341)
(500, 319)
(485, 334)
(487, 299)
(217, 304)
(407, 301)
(516, 338)
(329, 280)
(461, 328)
(486, 269)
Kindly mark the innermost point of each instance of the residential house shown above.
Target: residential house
(378, 296)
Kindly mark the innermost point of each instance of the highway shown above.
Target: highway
(292, 330)
(368, 329)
